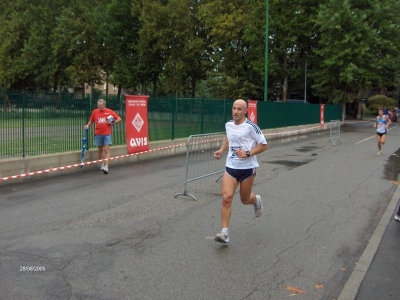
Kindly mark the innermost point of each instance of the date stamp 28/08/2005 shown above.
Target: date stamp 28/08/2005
(32, 268)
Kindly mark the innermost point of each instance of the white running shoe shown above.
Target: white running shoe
(102, 167)
(379, 153)
(105, 169)
(258, 208)
(222, 237)
(397, 217)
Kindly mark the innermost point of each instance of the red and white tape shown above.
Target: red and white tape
(127, 155)
(94, 161)
(85, 163)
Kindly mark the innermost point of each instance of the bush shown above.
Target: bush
(376, 102)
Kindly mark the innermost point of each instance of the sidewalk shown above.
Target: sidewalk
(377, 273)
(383, 276)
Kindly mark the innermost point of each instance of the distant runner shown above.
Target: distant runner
(382, 123)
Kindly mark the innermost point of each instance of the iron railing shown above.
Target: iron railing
(35, 123)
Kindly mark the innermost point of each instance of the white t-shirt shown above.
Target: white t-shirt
(244, 137)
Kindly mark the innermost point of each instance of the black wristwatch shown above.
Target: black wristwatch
(248, 153)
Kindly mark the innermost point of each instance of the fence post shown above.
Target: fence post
(202, 116)
(173, 121)
(23, 122)
(87, 113)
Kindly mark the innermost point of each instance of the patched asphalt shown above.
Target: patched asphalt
(125, 236)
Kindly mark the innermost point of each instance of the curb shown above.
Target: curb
(350, 289)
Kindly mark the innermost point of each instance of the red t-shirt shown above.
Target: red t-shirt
(100, 119)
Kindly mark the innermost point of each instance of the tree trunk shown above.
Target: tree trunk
(193, 87)
(144, 86)
(285, 89)
(285, 82)
(59, 94)
(154, 86)
(359, 110)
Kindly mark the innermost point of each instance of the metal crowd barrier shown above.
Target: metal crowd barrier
(200, 162)
(334, 132)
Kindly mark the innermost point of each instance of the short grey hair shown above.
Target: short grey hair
(102, 101)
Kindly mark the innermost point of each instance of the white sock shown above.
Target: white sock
(225, 230)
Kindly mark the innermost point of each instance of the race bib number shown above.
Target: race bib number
(233, 151)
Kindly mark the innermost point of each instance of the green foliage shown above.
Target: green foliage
(358, 48)
(236, 46)
(210, 47)
(97, 92)
(118, 27)
(380, 101)
(369, 111)
(76, 34)
(172, 46)
(293, 38)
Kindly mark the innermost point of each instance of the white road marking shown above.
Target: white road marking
(372, 136)
(365, 140)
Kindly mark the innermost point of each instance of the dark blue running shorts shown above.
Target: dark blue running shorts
(381, 133)
(240, 175)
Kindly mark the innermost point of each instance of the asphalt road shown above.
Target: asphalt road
(125, 236)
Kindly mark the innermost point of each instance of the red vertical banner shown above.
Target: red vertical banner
(137, 133)
(322, 112)
(252, 110)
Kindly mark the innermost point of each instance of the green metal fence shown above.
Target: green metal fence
(171, 118)
(279, 114)
(34, 123)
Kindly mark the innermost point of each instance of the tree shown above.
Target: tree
(76, 33)
(236, 32)
(293, 36)
(377, 102)
(152, 51)
(118, 31)
(26, 56)
(357, 48)
(172, 45)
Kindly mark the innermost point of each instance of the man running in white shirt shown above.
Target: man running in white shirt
(244, 140)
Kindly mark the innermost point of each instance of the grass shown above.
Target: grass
(17, 123)
(36, 146)
(53, 135)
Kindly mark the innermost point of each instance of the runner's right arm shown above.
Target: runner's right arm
(224, 146)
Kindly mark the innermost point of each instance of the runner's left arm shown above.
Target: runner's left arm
(117, 118)
(388, 121)
(258, 149)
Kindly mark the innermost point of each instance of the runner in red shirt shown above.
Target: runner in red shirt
(104, 119)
